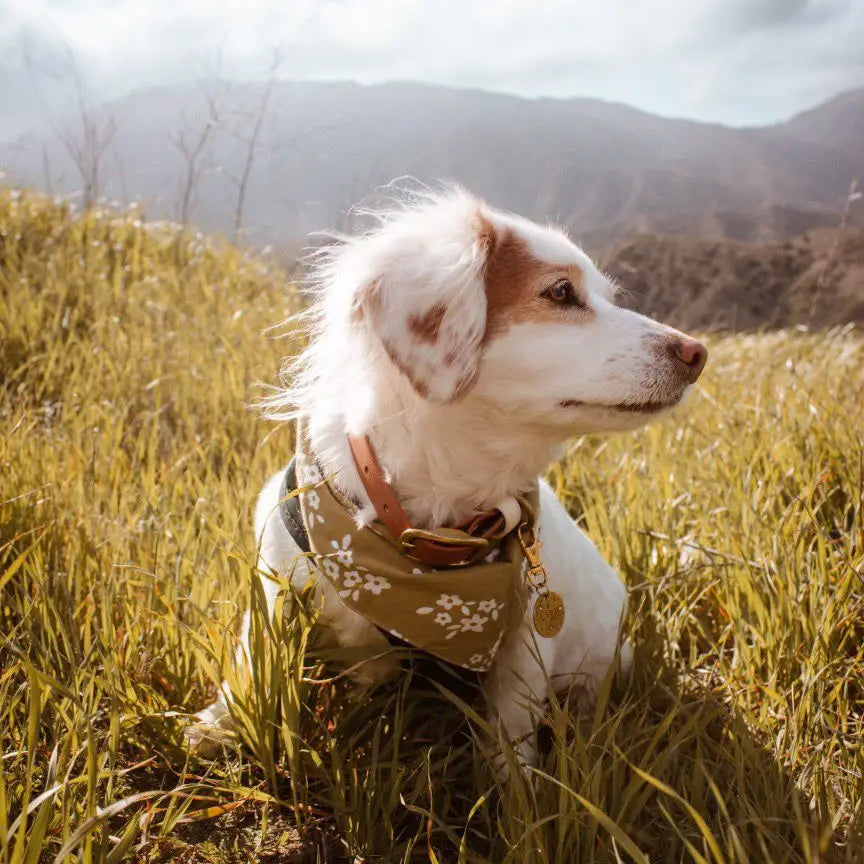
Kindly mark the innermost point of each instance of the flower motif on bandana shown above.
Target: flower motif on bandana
(344, 555)
(331, 568)
(481, 662)
(491, 607)
(311, 473)
(352, 578)
(449, 601)
(474, 623)
(376, 584)
(313, 501)
(353, 581)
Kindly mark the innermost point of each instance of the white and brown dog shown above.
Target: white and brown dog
(468, 344)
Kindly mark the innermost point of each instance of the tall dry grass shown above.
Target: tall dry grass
(128, 469)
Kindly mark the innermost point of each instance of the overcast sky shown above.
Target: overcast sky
(733, 61)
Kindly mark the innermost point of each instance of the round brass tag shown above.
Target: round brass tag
(548, 614)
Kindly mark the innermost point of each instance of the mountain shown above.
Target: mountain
(838, 124)
(704, 284)
(604, 170)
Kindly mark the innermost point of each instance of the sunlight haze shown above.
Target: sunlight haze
(740, 62)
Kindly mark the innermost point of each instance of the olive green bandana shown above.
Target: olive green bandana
(459, 614)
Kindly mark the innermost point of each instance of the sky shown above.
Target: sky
(740, 62)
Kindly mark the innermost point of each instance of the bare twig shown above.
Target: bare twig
(193, 150)
(86, 139)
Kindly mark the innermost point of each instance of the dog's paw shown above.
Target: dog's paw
(211, 730)
(509, 758)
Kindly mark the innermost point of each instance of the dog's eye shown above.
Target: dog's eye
(564, 294)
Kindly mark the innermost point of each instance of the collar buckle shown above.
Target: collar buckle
(449, 538)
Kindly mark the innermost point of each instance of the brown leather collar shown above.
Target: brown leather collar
(455, 546)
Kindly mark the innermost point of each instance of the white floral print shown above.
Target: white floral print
(331, 568)
(376, 584)
(475, 623)
(352, 578)
(311, 473)
(481, 662)
(355, 581)
(344, 555)
(449, 601)
(492, 607)
(472, 620)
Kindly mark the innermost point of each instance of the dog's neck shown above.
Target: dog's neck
(445, 462)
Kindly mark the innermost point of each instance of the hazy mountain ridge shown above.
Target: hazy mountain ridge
(705, 284)
(604, 170)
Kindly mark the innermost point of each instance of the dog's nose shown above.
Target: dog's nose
(690, 354)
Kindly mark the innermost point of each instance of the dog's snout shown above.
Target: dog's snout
(690, 354)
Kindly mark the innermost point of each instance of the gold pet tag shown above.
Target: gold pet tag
(548, 614)
(549, 605)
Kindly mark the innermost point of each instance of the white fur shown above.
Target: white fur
(364, 372)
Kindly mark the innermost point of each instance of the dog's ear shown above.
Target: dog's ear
(427, 306)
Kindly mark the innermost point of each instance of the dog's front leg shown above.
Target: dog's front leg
(340, 626)
(512, 718)
(516, 693)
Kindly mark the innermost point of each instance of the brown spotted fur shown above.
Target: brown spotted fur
(514, 280)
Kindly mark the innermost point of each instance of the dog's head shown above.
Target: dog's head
(470, 302)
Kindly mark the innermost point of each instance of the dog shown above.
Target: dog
(466, 345)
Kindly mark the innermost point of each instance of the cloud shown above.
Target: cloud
(746, 15)
(741, 18)
(737, 61)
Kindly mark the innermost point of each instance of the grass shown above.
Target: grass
(128, 469)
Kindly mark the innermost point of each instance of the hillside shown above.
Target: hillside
(129, 465)
(815, 279)
(836, 125)
(605, 170)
